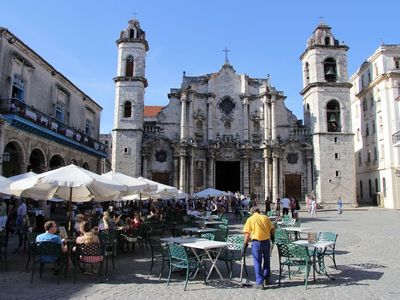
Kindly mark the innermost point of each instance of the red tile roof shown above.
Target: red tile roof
(152, 111)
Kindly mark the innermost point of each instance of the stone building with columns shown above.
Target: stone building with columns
(225, 130)
(46, 121)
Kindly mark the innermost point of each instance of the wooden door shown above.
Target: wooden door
(293, 186)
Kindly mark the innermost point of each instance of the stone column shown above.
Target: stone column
(273, 117)
(275, 191)
(182, 171)
(266, 118)
(245, 174)
(144, 157)
(176, 171)
(280, 188)
(2, 144)
(309, 174)
(210, 118)
(183, 117)
(191, 174)
(211, 168)
(245, 118)
(342, 120)
(190, 134)
(266, 173)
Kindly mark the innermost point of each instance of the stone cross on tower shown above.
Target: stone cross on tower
(226, 50)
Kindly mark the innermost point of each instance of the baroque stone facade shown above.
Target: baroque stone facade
(226, 130)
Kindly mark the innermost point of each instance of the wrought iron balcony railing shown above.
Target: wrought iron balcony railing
(12, 106)
(396, 139)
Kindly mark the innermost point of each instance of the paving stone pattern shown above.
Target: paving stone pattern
(367, 258)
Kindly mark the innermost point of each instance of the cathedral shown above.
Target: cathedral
(233, 132)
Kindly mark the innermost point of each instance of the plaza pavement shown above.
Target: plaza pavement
(367, 259)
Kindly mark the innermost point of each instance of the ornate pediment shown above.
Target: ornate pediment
(256, 116)
(199, 115)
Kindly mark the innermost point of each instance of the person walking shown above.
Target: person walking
(258, 228)
(267, 205)
(313, 207)
(339, 206)
(285, 203)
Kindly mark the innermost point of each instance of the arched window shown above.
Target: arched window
(227, 126)
(370, 187)
(18, 87)
(307, 72)
(127, 109)
(131, 33)
(330, 70)
(256, 126)
(333, 116)
(129, 67)
(384, 186)
(327, 41)
(376, 185)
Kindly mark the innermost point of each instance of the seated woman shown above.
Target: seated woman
(88, 237)
(136, 221)
(108, 222)
(79, 219)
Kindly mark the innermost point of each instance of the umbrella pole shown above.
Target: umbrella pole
(70, 212)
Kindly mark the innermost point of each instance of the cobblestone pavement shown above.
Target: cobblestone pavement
(368, 268)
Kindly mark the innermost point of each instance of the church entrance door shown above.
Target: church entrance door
(227, 175)
(293, 186)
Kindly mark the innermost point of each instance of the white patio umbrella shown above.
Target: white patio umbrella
(5, 185)
(163, 190)
(6, 182)
(71, 183)
(210, 192)
(134, 185)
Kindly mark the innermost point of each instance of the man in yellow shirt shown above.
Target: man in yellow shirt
(258, 229)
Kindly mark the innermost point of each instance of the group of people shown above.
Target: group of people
(14, 218)
(286, 204)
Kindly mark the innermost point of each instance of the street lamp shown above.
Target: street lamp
(6, 157)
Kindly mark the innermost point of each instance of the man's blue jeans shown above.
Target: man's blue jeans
(261, 251)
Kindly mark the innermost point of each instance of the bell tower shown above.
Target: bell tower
(130, 85)
(326, 105)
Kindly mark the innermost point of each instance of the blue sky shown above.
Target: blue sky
(265, 37)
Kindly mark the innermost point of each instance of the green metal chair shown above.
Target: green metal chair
(178, 259)
(31, 239)
(234, 252)
(330, 251)
(226, 221)
(292, 255)
(89, 254)
(270, 213)
(222, 233)
(42, 250)
(208, 235)
(281, 237)
(109, 243)
(159, 252)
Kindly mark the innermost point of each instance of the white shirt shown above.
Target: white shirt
(285, 202)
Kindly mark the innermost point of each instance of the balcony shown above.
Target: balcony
(396, 139)
(32, 120)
